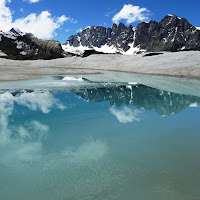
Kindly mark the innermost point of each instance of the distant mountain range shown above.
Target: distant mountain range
(170, 34)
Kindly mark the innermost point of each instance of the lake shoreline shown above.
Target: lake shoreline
(177, 64)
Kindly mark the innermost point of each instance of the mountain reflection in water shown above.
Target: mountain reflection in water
(57, 145)
(163, 102)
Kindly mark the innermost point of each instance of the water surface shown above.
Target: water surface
(109, 142)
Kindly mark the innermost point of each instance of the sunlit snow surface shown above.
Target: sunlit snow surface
(104, 49)
(110, 142)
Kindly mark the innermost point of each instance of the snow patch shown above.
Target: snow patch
(19, 44)
(176, 29)
(16, 32)
(23, 53)
(8, 35)
(88, 27)
(183, 48)
(133, 50)
(106, 49)
(164, 40)
(75, 50)
(2, 54)
(173, 15)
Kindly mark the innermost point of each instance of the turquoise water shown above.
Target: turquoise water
(106, 143)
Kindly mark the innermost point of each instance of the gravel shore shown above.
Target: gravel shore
(180, 64)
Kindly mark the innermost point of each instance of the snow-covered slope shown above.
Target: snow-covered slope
(75, 50)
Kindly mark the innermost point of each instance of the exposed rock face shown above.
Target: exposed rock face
(171, 34)
(25, 46)
(164, 103)
(116, 38)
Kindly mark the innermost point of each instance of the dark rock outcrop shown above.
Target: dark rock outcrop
(171, 34)
(87, 53)
(26, 46)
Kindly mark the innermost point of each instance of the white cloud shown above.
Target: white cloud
(73, 21)
(67, 30)
(126, 115)
(42, 25)
(33, 1)
(62, 19)
(110, 12)
(5, 14)
(131, 14)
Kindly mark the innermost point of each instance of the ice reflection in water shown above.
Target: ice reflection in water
(101, 143)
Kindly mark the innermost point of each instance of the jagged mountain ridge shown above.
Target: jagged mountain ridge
(18, 45)
(170, 34)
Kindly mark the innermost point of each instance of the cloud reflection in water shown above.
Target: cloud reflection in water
(125, 114)
(24, 142)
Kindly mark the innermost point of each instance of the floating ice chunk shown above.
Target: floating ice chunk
(133, 83)
(69, 78)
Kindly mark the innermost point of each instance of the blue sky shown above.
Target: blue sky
(63, 18)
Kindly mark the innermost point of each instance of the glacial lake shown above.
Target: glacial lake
(113, 141)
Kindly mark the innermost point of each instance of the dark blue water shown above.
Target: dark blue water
(108, 143)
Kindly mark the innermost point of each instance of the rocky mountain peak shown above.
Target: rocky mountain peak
(16, 31)
(170, 34)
